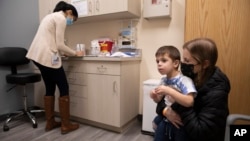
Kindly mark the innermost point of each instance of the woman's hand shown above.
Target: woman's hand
(79, 53)
(172, 116)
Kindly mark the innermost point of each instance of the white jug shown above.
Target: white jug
(95, 47)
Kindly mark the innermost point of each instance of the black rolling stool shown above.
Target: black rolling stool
(13, 57)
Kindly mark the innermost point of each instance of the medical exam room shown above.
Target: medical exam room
(124, 70)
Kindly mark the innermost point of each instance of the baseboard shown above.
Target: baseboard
(139, 117)
(147, 133)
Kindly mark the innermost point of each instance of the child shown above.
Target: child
(174, 87)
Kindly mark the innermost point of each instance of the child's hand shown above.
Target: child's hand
(160, 90)
(153, 94)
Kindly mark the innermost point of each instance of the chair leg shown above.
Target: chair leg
(31, 117)
(18, 114)
(25, 111)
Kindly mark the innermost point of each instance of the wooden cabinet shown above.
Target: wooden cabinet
(111, 9)
(98, 9)
(112, 91)
(47, 6)
(77, 88)
(104, 99)
(102, 93)
(109, 6)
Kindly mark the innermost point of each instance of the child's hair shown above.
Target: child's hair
(172, 51)
(63, 6)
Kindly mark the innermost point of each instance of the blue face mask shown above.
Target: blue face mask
(69, 21)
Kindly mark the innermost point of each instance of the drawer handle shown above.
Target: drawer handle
(73, 104)
(101, 69)
(71, 78)
(70, 67)
(72, 92)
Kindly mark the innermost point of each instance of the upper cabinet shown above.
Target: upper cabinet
(96, 10)
(47, 6)
(97, 7)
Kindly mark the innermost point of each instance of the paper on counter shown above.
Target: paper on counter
(119, 54)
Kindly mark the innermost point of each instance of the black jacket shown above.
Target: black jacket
(206, 120)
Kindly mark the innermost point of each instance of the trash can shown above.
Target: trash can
(149, 106)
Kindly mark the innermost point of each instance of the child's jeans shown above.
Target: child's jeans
(166, 131)
(160, 129)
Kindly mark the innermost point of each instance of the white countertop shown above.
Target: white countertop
(102, 58)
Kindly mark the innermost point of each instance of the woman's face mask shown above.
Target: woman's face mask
(69, 21)
(188, 70)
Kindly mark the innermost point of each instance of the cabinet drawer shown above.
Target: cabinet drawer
(103, 68)
(78, 107)
(78, 101)
(75, 78)
(78, 91)
(73, 66)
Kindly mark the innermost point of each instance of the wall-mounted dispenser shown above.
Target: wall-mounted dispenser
(157, 9)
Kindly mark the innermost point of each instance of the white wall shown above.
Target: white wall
(155, 33)
(151, 35)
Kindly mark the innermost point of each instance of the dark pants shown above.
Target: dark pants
(160, 131)
(52, 78)
(166, 131)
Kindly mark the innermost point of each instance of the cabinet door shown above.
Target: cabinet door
(54, 2)
(47, 6)
(104, 98)
(109, 6)
(90, 7)
(44, 8)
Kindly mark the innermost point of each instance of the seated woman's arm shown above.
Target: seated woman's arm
(205, 121)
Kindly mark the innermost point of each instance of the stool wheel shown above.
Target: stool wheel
(35, 125)
(6, 128)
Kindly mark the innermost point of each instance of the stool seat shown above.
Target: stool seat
(23, 78)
